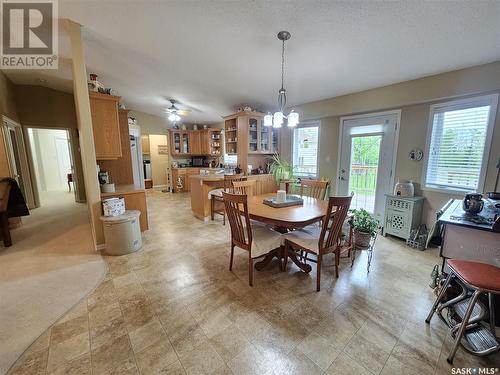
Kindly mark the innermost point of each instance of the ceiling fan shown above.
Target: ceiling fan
(175, 112)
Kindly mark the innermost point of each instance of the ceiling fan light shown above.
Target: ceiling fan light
(277, 119)
(268, 120)
(293, 119)
(172, 116)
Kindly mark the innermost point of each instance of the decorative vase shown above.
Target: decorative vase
(361, 239)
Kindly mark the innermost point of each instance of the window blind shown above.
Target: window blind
(457, 146)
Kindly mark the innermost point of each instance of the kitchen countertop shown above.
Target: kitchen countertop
(219, 177)
(123, 190)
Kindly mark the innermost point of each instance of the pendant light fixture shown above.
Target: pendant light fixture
(276, 120)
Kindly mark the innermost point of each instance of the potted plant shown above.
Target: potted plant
(280, 168)
(365, 226)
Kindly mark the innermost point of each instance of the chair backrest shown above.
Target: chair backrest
(230, 178)
(313, 188)
(244, 187)
(237, 213)
(334, 219)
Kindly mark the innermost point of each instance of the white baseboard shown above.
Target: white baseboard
(100, 247)
(159, 186)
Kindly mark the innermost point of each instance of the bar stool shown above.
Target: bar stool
(479, 278)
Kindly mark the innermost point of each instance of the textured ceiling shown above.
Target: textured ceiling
(216, 55)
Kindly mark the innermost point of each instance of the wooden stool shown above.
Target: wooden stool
(479, 278)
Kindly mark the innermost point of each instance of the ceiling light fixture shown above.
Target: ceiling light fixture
(276, 120)
(174, 117)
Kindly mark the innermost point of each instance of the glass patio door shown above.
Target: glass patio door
(366, 160)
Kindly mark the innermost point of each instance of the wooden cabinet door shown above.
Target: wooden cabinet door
(145, 144)
(253, 135)
(195, 138)
(105, 125)
(264, 137)
(179, 173)
(205, 142)
(120, 169)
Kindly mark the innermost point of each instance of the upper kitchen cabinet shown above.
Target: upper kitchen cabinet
(260, 137)
(180, 142)
(105, 125)
(195, 140)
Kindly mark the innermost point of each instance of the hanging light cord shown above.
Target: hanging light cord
(282, 91)
(282, 64)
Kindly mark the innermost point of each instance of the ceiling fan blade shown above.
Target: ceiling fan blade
(183, 112)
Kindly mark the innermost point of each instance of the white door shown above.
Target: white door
(366, 160)
(63, 160)
(18, 162)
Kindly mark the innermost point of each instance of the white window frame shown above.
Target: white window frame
(492, 101)
(307, 124)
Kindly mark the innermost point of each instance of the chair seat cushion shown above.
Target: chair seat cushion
(215, 193)
(480, 275)
(264, 240)
(306, 238)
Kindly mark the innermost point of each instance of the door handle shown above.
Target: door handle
(341, 178)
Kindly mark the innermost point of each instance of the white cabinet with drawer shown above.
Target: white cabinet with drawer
(402, 214)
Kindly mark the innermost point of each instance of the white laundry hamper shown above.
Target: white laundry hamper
(122, 233)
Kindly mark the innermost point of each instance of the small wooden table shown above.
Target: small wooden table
(285, 219)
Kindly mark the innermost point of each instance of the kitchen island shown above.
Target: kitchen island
(201, 185)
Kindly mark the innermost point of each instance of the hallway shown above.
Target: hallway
(49, 268)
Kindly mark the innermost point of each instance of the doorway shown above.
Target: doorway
(53, 164)
(367, 159)
(17, 159)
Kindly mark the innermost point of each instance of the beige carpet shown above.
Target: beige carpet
(50, 267)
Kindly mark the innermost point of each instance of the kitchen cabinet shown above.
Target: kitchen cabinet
(145, 144)
(195, 140)
(180, 144)
(105, 125)
(120, 169)
(245, 134)
(181, 179)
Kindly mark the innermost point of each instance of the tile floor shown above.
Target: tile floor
(174, 308)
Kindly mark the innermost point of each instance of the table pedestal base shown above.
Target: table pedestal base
(279, 253)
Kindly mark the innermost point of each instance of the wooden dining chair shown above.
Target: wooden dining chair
(215, 195)
(245, 187)
(324, 240)
(313, 188)
(257, 239)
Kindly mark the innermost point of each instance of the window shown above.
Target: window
(458, 144)
(306, 150)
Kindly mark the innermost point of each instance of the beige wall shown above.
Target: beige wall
(42, 107)
(7, 108)
(414, 99)
(150, 124)
(159, 163)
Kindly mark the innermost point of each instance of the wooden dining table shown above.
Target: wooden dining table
(285, 219)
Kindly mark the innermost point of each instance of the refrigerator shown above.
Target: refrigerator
(136, 153)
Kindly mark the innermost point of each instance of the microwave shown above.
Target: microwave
(197, 161)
